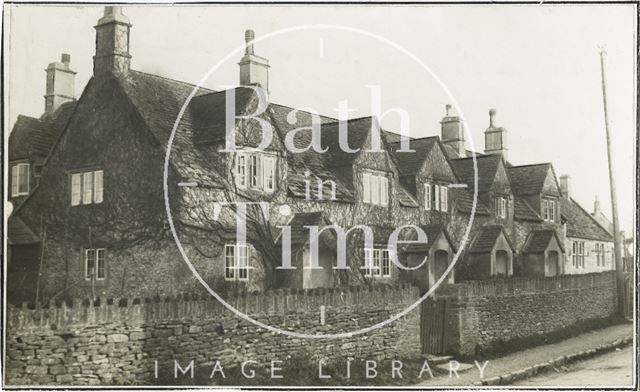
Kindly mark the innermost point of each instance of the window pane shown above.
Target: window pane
(386, 267)
(427, 196)
(243, 262)
(436, 193)
(87, 188)
(76, 188)
(375, 190)
(241, 167)
(90, 257)
(14, 180)
(366, 187)
(23, 178)
(368, 262)
(376, 262)
(443, 198)
(97, 186)
(229, 262)
(384, 191)
(101, 273)
(269, 173)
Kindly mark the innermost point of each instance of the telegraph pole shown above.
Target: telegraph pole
(620, 281)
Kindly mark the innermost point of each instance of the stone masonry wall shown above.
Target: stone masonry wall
(117, 342)
(488, 315)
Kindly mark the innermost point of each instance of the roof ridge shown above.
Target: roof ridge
(175, 80)
(413, 139)
(529, 165)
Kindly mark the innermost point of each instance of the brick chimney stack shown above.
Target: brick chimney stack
(112, 43)
(254, 70)
(495, 138)
(565, 185)
(452, 132)
(60, 86)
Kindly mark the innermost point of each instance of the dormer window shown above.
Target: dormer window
(502, 207)
(255, 170)
(87, 187)
(375, 188)
(436, 197)
(19, 179)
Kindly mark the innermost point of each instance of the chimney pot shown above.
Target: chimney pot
(447, 109)
(492, 117)
(249, 37)
(65, 58)
(254, 70)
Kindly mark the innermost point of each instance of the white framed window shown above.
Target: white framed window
(269, 173)
(230, 262)
(549, 210)
(502, 204)
(577, 254)
(256, 170)
(236, 262)
(241, 170)
(427, 196)
(444, 196)
(20, 179)
(95, 264)
(377, 263)
(375, 189)
(436, 200)
(87, 187)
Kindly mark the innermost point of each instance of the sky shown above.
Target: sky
(537, 65)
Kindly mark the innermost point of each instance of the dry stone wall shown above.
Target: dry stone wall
(117, 342)
(491, 315)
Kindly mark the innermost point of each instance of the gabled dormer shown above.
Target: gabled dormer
(538, 186)
(427, 173)
(494, 186)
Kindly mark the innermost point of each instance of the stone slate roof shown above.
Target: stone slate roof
(580, 224)
(523, 211)
(18, 233)
(453, 154)
(485, 239)
(487, 169)
(538, 240)
(411, 162)
(33, 138)
(465, 202)
(432, 232)
(528, 179)
(159, 100)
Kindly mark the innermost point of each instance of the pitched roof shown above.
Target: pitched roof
(159, 100)
(538, 240)
(433, 232)
(464, 203)
(18, 233)
(485, 239)
(487, 169)
(580, 224)
(523, 211)
(411, 162)
(33, 138)
(528, 179)
(453, 154)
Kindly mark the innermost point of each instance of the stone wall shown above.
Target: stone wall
(116, 342)
(491, 315)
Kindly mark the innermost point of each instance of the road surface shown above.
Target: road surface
(611, 369)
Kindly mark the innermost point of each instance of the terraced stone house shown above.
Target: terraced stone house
(90, 217)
